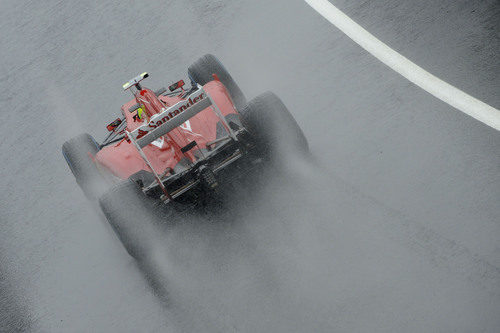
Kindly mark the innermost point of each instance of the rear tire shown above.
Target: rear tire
(201, 72)
(272, 126)
(129, 213)
(77, 153)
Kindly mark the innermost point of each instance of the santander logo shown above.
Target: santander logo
(168, 114)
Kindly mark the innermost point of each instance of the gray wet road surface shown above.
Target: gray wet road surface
(394, 227)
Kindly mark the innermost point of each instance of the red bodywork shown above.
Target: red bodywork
(123, 159)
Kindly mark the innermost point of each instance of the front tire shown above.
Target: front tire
(201, 72)
(78, 153)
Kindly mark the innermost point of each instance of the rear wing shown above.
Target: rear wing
(162, 123)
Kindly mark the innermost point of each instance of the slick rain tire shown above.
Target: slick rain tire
(131, 215)
(273, 127)
(201, 72)
(76, 152)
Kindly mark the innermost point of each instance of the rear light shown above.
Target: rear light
(111, 127)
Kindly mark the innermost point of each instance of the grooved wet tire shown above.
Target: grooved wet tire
(131, 215)
(272, 126)
(201, 72)
(76, 153)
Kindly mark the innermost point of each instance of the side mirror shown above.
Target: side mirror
(176, 85)
(111, 127)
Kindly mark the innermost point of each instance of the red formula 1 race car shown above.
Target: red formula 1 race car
(174, 148)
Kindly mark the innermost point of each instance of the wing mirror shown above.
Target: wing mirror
(176, 85)
(111, 127)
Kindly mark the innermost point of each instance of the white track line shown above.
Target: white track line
(425, 80)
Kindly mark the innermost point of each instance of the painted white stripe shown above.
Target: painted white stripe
(425, 80)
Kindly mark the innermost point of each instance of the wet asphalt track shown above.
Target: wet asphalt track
(395, 228)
